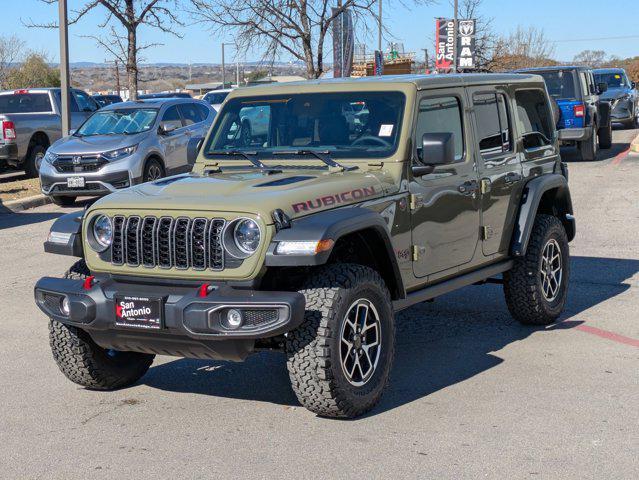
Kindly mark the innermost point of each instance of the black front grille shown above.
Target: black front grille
(167, 242)
(86, 163)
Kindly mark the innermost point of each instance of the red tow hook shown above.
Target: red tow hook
(204, 290)
(88, 282)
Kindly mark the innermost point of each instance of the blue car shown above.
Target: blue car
(583, 115)
(622, 95)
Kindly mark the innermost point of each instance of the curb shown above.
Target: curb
(634, 145)
(25, 203)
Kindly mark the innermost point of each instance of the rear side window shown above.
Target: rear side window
(172, 117)
(534, 119)
(85, 103)
(25, 103)
(191, 113)
(441, 115)
(493, 131)
(203, 111)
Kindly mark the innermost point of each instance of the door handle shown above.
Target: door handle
(468, 188)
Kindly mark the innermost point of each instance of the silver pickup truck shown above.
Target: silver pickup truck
(30, 121)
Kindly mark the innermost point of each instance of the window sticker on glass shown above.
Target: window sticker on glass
(617, 77)
(385, 130)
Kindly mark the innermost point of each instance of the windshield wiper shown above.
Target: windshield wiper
(248, 155)
(323, 155)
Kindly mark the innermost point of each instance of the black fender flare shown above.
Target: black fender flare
(532, 195)
(65, 235)
(333, 225)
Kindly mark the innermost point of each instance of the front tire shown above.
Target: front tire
(153, 170)
(32, 162)
(339, 360)
(84, 362)
(536, 287)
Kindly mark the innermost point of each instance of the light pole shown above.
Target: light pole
(64, 67)
(224, 65)
(379, 26)
(455, 30)
(425, 59)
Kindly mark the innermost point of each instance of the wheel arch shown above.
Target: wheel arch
(153, 156)
(548, 194)
(38, 138)
(360, 236)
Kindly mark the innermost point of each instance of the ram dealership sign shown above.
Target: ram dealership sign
(445, 45)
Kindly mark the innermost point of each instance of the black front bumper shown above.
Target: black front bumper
(192, 321)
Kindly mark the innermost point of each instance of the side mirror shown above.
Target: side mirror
(602, 87)
(166, 128)
(437, 149)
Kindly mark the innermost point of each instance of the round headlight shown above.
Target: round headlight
(247, 236)
(103, 231)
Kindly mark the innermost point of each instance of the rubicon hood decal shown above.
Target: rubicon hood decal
(331, 200)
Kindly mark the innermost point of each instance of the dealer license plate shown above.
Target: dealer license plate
(75, 182)
(138, 312)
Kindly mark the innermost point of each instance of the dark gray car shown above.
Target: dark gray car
(622, 95)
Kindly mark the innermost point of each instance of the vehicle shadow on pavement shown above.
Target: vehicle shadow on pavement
(571, 154)
(10, 219)
(438, 344)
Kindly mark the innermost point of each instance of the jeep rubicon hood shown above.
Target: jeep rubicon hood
(297, 193)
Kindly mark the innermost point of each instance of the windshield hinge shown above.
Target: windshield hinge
(417, 252)
(416, 201)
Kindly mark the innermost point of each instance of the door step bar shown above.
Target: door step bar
(446, 286)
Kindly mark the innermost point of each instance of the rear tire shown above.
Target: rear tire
(605, 136)
(84, 362)
(588, 148)
(63, 201)
(32, 162)
(337, 367)
(532, 297)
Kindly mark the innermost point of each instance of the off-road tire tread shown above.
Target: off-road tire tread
(523, 296)
(308, 346)
(82, 360)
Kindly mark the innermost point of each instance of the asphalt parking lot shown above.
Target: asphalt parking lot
(473, 393)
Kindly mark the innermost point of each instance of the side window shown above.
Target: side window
(203, 111)
(191, 113)
(172, 117)
(441, 115)
(584, 83)
(534, 119)
(504, 122)
(488, 128)
(85, 103)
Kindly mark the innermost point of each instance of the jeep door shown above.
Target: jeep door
(500, 168)
(445, 203)
(174, 143)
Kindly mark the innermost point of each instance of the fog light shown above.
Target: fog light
(233, 318)
(65, 306)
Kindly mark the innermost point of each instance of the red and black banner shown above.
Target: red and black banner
(444, 45)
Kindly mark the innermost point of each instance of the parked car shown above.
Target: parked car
(584, 119)
(622, 95)
(104, 100)
(148, 96)
(125, 144)
(311, 241)
(216, 97)
(31, 121)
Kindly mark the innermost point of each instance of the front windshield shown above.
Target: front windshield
(613, 80)
(353, 125)
(560, 83)
(125, 121)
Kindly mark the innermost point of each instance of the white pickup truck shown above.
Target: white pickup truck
(30, 121)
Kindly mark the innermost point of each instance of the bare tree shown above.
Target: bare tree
(297, 28)
(11, 51)
(128, 15)
(523, 48)
(590, 58)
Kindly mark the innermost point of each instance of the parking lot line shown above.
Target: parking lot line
(615, 337)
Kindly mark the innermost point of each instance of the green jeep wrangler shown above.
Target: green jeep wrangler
(315, 211)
